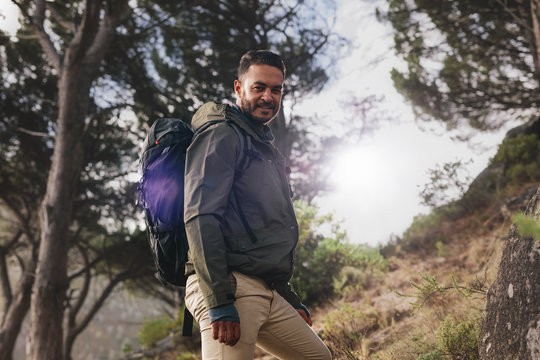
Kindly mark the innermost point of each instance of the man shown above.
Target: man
(241, 226)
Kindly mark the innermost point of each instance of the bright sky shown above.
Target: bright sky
(379, 180)
(376, 182)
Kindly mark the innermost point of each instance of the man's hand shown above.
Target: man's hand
(227, 332)
(304, 316)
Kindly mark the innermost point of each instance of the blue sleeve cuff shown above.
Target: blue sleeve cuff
(303, 307)
(225, 312)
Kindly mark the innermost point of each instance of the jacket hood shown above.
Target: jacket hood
(215, 112)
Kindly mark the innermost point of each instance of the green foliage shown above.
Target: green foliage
(469, 63)
(127, 348)
(459, 338)
(423, 233)
(350, 281)
(429, 290)
(434, 355)
(320, 259)
(156, 329)
(447, 183)
(527, 225)
(186, 356)
(520, 158)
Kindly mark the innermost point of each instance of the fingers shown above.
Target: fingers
(215, 329)
(236, 330)
(304, 316)
(226, 332)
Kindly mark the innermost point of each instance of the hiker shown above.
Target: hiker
(241, 226)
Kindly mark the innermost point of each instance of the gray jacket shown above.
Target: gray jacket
(214, 190)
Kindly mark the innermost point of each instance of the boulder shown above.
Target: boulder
(510, 328)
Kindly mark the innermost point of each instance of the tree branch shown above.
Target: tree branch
(7, 293)
(83, 293)
(20, 217)
(113, 16)
(61, 19)
(86, 33)
(37, 22)
(100, 301)
(33, 133)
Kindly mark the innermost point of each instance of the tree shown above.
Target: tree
(77, 67)
(199, 56)
(468, 62)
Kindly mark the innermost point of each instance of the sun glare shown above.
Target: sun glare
(358, 170)
(9, 18)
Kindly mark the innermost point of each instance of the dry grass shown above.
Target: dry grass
(405, 327)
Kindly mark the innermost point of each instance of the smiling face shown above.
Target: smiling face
(259, 92)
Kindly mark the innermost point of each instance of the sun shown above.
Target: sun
(359, 170)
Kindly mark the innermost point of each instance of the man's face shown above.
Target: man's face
(259, 93)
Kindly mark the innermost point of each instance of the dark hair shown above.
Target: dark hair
(260, 57)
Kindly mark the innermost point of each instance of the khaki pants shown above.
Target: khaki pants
(266, 321)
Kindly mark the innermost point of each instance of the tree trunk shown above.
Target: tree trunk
(80, 61)
(535, 20)
(15, 314)
(510, 329)
(49, 293)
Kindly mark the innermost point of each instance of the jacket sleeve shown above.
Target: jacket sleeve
(209, 175)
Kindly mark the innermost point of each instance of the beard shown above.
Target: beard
(248, 109)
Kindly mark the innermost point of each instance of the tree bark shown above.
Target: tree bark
(14, 316)
(511, 325)
(535, 17)
(49, 293)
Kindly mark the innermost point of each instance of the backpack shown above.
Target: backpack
(161, 195)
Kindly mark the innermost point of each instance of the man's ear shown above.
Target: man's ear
(237, 87)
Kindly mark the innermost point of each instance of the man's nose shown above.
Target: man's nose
(267, 95)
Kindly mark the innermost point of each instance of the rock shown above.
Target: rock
(510, 328)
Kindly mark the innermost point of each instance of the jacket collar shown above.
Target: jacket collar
(265, 135)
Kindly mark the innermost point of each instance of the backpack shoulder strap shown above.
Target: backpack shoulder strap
(242, 163)
(246, 147)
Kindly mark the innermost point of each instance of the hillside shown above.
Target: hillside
(428, 303)
(393, 319)
(398, 317)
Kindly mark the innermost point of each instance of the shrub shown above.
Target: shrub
(320, 259)
(346, 329)
(520, 157)
(155, 329)
(459, 338)
(434, 355)
(351, 280)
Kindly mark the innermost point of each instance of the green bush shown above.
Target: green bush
(320, 259)
(520, 158)
(459, 338)
(351, 280)
(155, 329)
(434, 355)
